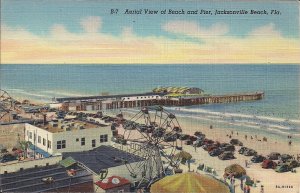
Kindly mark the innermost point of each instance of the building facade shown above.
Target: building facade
(61, 138)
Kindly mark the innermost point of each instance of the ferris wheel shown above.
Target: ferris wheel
(152, 133)
(6, 103)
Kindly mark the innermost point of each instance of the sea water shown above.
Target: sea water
(277, 113)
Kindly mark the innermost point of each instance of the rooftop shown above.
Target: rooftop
(103, 157)
(62, 125)
(30, 180)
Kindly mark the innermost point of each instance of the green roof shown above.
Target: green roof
(69, 161)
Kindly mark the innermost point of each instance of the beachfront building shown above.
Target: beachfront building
(65, 135)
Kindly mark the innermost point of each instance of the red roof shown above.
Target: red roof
(112, 182)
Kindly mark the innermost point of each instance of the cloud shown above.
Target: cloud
(193, 29)
(91, 24)
(18, 45)
(267, 30)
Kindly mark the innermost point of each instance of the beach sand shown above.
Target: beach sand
(288, 182)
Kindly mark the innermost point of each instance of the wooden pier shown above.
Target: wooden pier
(113, 102)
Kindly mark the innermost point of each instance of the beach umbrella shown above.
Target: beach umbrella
(189, 182)
(236, 170)
(183, 155)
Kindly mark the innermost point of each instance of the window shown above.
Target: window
(61, 144)
(93, 143)
(27, 133)
(30, 135)
(39, 139)
(77, 139)
(44, 142)
(83, 141)
(49, 144)
(103, 138)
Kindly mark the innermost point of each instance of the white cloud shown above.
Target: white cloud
(91, 24)
(193, 29)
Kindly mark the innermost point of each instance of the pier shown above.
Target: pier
(95, 103)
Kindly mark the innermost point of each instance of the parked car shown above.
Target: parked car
(267, 163)
(183, 137)
(285, 157)
(282, 168)
(273, 156)
(170, 138)
(228, 148)
(236, 142)
(188, 142)
(258, 159)
(242, 150)
(7, 158)
(207, 146)
(207, 141)
(199, 134)
(249, 152)
(192, 138)
(199, 143)
(226, 155)
(216, 152)
(292, 163)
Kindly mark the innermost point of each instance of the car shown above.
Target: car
(282, 168)
(188, 142)
(273, 156)
(227, 155)
(207, 141)
(216, 152)
(242, 150)
(8, 158)
(183, 137)
(228, 148)
(236, 142)
(249, 152)
(258, 159)
(198, 143)
(209, 147)
(285, 157)
(170, 138)
(199, 134)
(292, 163)
(192, 138)
(267, 163)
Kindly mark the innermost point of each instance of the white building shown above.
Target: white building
(66, 136)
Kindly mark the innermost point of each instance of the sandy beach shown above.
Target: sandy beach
(272, 181)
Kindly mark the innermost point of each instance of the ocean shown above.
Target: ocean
(277, 114)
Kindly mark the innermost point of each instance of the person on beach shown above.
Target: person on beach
(245, 189)
(242, 184)
(246, 163)
(290, 142)
(246, 137)
(237, 133)
(262, 189)
(248, 189)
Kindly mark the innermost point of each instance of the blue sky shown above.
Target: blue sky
(38, 16)
(38, 19)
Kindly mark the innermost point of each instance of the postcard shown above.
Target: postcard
(150, 96)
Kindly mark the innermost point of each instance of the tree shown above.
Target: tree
(24, 146)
